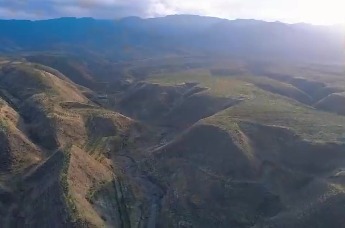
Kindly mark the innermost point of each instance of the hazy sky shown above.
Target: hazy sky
(309, 11)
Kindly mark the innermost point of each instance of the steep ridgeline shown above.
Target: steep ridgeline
(55, 152)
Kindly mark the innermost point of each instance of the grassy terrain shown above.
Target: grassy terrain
(65, 186)
(198, 131)
(218, 86)
(261, 106)
(332, 75)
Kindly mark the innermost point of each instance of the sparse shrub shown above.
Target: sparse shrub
(91, 194)
(3, 125)
(65, 187)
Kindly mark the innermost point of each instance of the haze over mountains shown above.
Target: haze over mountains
(182, 121)
(180, 35)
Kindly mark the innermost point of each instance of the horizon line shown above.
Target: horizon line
(164, 16)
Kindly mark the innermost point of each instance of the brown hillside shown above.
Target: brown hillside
(188, 147)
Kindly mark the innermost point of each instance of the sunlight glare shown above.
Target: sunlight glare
(322, 12)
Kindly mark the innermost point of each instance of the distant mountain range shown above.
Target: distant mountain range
(179, 35)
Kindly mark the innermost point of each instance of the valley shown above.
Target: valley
(154, 151)
(166, 134)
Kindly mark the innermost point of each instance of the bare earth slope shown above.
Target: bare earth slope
(52, 157)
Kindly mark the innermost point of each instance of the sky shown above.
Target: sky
(290, 11)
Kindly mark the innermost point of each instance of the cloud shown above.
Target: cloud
(310, 11)
(264, 9)
(285, 10)
(40, 9)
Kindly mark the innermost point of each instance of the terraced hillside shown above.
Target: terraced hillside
(192, 142)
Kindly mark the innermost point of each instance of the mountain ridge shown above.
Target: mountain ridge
(135, 38)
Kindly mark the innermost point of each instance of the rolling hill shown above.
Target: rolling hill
(130, 124)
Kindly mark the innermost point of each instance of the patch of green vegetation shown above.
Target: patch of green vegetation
(332, 75)
(114, 193)
(33, 74)
(3, 125)
(218, 86)
(279, 87)
(122, 203)
(99, 147)
(259, 105)
(2, 102)
(71, 205)
(127, 142)
(95, 144)
(95, 189)
(23, 81)
(305, 121)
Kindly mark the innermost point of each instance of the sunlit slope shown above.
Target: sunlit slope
(55, 150)
(271, 159)
(262, 106)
